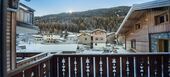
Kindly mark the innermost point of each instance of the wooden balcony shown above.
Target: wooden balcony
(164, 27)
(101, 65)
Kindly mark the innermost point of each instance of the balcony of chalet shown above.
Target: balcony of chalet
(94, 65)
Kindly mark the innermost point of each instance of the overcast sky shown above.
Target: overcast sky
(45, 7)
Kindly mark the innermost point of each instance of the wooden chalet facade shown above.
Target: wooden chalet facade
(146, 28)
(25, 17)
(99, 39)
(85, 38)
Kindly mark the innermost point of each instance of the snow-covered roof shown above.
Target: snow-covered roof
(72, 35)
(25, 7)
(91, 52)
(84, 34)
(85, 31)
(110, 33)
(37, 35)
(98, 30)
(21, 29)
(49, 48)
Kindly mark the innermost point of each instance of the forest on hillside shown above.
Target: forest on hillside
(108, 19)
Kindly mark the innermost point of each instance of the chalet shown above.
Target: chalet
(38, 38)
(24, 22)
(98, 39)
(146, 28)
(25, 16)
(72, 38)
(84, 38)
(50, 38)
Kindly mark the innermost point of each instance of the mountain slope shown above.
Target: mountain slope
(108, 19)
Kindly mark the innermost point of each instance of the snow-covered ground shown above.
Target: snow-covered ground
(48, 47)
(66, 45)
(91, 52)
(120, 49)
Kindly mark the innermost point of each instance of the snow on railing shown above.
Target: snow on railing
(32, 59)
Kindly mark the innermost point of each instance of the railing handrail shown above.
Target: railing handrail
(27, 66)
(140, 53)
(32, 59)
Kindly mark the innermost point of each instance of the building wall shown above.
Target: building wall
(50, 38)
(99, 46)
(111, 39)
(99, 37)
(84, 39)
(25, 16)
(148, 26)
(155, 38)
(121, 39)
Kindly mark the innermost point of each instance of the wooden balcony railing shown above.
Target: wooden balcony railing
(101, 65)
(32, 59)
(159, 28)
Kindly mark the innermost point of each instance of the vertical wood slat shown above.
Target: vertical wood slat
(107, 61)
(94, 67)
(81, 67)
(134, 65)
(121, 69)
(162, 66)
(75, 63)
(114, 65)
(141, 66)
(69, 67)
(148, 66)
(8, 41)
(155, 66)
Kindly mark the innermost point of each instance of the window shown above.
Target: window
(137, 26)
(101, 38)
(96, 38)
(133, 44)
(161, 18)
(167, 17)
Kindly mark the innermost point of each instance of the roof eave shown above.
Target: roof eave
(126, 18)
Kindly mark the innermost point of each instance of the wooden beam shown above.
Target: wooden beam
(3, 7)
(169, 14)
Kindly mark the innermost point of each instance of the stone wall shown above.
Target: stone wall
(154, 40)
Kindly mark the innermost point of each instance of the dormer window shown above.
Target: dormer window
(161, 18)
